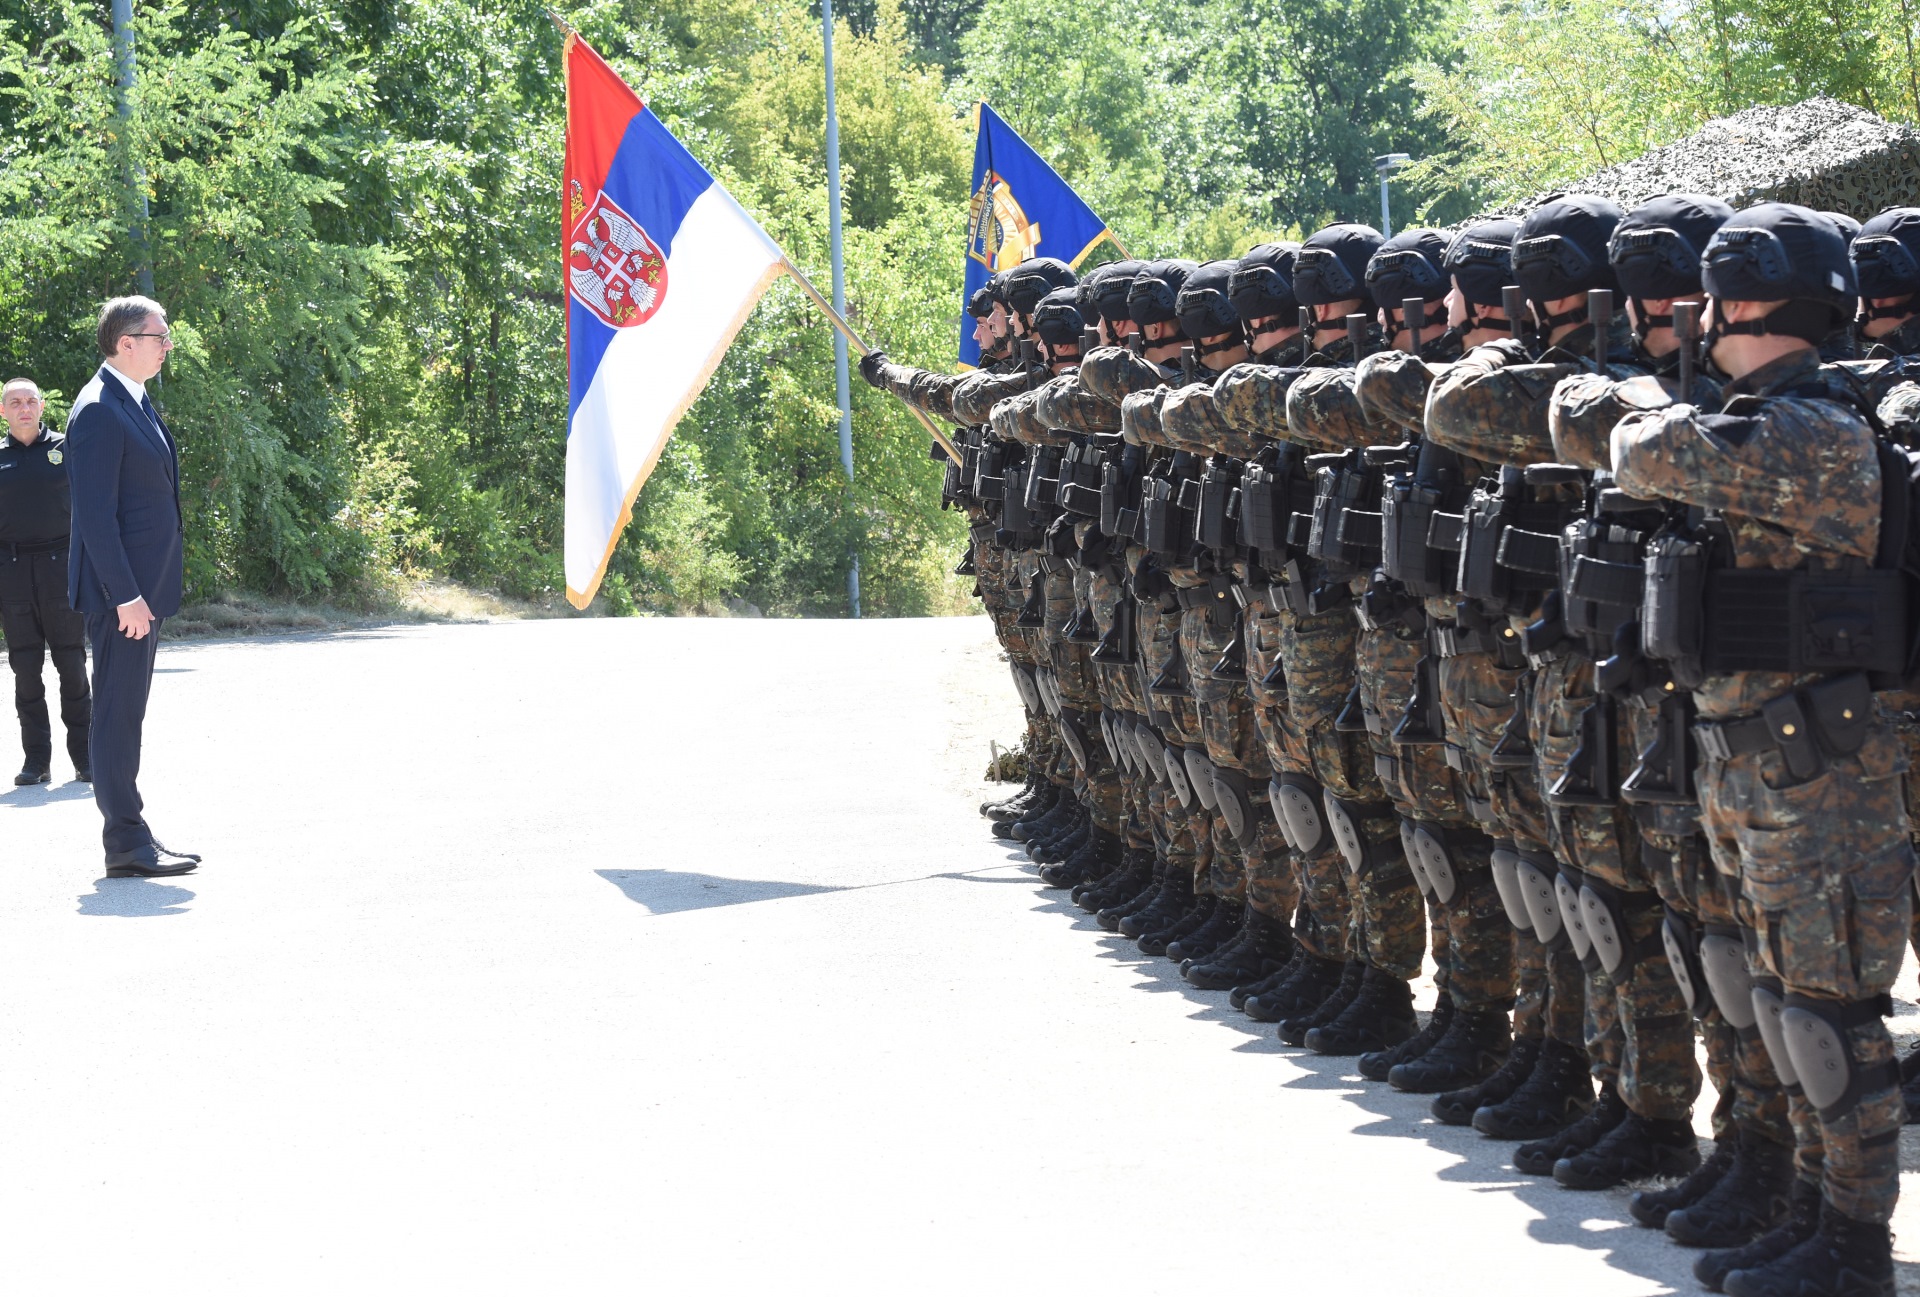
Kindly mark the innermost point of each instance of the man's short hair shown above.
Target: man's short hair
(121, 316)
(12, 383)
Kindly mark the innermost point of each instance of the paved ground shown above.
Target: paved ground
(666, 956)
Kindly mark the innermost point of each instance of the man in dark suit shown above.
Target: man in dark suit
(124, 572)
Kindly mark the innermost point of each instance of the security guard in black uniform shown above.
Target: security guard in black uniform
(35, 518)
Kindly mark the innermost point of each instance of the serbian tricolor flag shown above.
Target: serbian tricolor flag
(662, 269)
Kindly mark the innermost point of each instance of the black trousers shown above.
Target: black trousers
(36, 620)
(122, 678)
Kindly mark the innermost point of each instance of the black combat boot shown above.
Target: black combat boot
(1246, 959)
(1558, 1093)
(1214, 934)
(1375, 1066)
(1843, 1257)
(1063, 842)
(1456, 1108)
(1092, 859)
(1042, 802)
(1270, 982)
(1241, 935)
(1379, 1017)
(1638, 1148)
(1294, 1028)
(1156, 941)
(1474, 1048)
(1744, 1203)
(1110, 916)
(1802, 1222)
(1124, 882)
(1172, 901)
(1652, 1207)
(1542, 1155)
(1045, 817)
(1305, 986)
(1009, 808)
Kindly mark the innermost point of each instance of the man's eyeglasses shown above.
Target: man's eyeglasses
(166, 336)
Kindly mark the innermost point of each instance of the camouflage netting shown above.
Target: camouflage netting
(1821, 153)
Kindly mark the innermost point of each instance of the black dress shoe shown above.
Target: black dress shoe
(150, 861)
(83, 775)
(33, 775)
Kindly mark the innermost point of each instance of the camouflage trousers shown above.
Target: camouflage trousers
(1119, 700)
(1825, 869)
(1742, 1073)
(1639, 1032)
(1096, 780)
(1188, 830)
(1325, 917)
(1477, 700)
(997, 580)
(1317, 652)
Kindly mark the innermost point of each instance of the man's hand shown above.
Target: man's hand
(870, 366)
(136, 619)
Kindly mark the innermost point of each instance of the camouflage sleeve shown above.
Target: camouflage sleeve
(1018, 419)
(1192, 422)
(1804, 467)
(932, 392)
(1112, 373)
(1872, 381)
(1065, 402)
(1140, 417)
(1323, 412)
(978, 393)
(1586, 406)
(1493, 407)
(1900, 413)
(1253, 398)
(1392, 387)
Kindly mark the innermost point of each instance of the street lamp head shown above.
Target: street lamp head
(1388, 163)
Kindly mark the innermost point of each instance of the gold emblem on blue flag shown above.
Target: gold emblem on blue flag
(999, 235)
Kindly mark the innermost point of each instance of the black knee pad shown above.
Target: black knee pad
(1815, 1032)
(1296, 802)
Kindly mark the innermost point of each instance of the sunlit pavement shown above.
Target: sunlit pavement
(667, 956)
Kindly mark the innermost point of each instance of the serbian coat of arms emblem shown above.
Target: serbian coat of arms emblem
(613, 268)
(999, 236)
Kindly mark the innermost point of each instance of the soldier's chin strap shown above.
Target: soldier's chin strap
(1808, 321)
(1475, 321)
(1645, 321)
(1551, 320)
(1203, 350)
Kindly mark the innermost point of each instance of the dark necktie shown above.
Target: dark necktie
(146, 404)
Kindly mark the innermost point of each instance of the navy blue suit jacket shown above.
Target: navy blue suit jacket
(128, 533)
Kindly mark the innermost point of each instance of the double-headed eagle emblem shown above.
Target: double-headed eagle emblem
(613, 268)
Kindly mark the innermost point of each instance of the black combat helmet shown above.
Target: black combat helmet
(1656, 248)
(1480, 260)
(1849, 227)
(1261, 285)
(1561, 251)
(1782, 252)
(981, 304)
(1155, 291)
(1410, 264)
(1033, 279)
(1886, 260)
(1204, 307)
(1110, 285)
(1332, 265)
(1057, 320)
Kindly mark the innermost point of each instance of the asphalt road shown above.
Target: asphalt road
(668, 957)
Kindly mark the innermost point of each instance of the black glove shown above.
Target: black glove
(870, 365)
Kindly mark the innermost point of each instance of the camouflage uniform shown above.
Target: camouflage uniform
(1824, 862)
(1493, 405)
(1317, 650)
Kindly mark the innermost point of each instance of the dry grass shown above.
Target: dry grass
(241, 614)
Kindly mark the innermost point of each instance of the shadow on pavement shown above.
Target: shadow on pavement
(41, 794)
(134, 898)
(668, 891)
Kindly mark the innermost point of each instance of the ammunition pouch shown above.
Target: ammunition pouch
(1175, 770)
(1120, 491)
(1080, 479)
(1298, 807)
(1510, 544)
(1043, 483)
(1827, 719)
(1233, 796)
(1216, 521)
(1817, 1037)
(1850, 619)
(1274, 490)
(1538, 876)
(1606, 913)
(1166, 515)
(1408, 506)
(990, 470)
(1345, 530)
(1674, 606)
(1505, 865)
(1018, 528)
(1602, 576)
